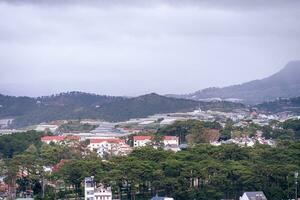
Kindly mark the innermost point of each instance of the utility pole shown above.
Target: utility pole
(296, 185)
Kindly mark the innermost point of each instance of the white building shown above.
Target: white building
(95, 144)
(141, 140)
(109, 146)
(171, 143)
(170, 140)
(257, 195)
(92, 192)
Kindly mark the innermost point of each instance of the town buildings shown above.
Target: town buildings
(245, 141)
(168, 142)
(92, 191)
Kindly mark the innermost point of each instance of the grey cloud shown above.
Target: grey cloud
(130, 48)
(232, 4)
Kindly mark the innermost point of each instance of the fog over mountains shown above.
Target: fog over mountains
(285, 84)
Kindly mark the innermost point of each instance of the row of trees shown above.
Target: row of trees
(76, 126)
(193, 131)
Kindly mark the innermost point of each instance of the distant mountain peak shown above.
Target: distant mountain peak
(291, 67)
(150, 95)
(289, 74)
(285, 83)
(293, 63)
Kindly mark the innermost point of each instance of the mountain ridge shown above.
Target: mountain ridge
(285, 83)
(75, 105)
(287, 105)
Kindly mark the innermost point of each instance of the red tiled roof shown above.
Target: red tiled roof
(142, 137)
(168, 137)
(109, 140)
(72, 137)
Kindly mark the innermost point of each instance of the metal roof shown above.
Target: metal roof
(257, 195)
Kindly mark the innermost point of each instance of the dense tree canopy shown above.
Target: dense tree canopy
(294, 125)
(194, 128)
(200, 172)
(18, 142)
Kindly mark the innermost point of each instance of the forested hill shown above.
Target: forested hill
(75, 105)
(281, 105)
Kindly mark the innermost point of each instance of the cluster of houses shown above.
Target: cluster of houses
(115, 146)
(111, 146)
(246, 141)
(168, 142)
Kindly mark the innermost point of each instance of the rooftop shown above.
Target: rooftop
(168, 137)
(109, 140)
(142, 137)
(257, 195)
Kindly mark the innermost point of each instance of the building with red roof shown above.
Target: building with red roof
(170, 140)
(97, 143)
(109, 140)
(141, 140)
(109, 146)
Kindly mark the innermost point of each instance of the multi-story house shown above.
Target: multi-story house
(92, 191)
(141, 140)
(109, 146)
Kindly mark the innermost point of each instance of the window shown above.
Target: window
(90, 192)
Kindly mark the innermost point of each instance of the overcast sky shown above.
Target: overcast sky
(130, 48)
